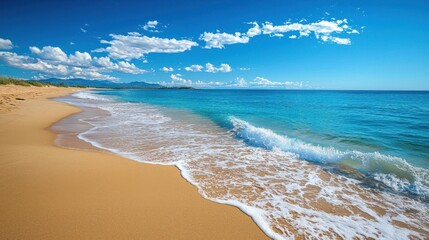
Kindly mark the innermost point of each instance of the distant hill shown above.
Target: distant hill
(78, 82)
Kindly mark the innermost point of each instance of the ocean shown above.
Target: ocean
(319, 164)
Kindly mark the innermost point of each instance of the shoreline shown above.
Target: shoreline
(229, 172)
(95, 194)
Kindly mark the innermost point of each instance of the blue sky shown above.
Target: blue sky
(221, 44)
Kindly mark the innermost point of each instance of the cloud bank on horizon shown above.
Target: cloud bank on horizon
(121, 50)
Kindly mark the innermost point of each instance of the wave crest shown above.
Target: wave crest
(393, 172)
(89, 95)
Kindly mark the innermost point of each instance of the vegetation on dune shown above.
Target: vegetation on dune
(28, 83)
(83, 83)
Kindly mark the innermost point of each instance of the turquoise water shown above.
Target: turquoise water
(316, 164)
(389, 122)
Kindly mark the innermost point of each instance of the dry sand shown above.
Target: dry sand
(47, 192)
(11, 96)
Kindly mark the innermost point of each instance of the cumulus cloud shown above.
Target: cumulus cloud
(223, 68)
(263, 82)
(28, 63)
(5, 44)
(177, 79)
(134, 46)
(219, 40)
(151, 26)
(49, 53)
(322, 30)
(194, 68)
(240, 82)
(337, 40)
(258, 82)
(134, 34)
(82, 59)
(254, 31)
(52, 61)
(50, 69)
(167, 69)
(211, 84)
(209, 68)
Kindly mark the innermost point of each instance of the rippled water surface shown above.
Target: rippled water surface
(319, 164)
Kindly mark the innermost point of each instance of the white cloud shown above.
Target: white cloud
(50, 69)
(194, 68)
(87, 74)
(177, 79)
(342, 41)
(123, 66)
(258, 82)
(83, 30)
(134, 34)
(240, 82)
(134, 47)
(219, 40)
(151, 26)
(223, 68)
(254, 31)
(210, 84)
(263, 82)
(244, 69)
(49, 53)
(54, 62)
(80, 59)
(167, 69)
(209, 68)
(280, 35)
(322, 30)
(25, 62)
(71, 43)
(5, 44)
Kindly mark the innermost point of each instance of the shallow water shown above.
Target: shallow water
(290, 186)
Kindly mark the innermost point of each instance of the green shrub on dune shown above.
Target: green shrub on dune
(27, 83)
(6, 80)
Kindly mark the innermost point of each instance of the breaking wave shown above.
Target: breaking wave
(393, 172)
(263, 173)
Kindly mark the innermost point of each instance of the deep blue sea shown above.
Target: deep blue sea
(327, 163)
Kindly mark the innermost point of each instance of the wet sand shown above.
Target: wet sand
(47, 192)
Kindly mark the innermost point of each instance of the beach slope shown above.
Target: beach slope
(47, 192)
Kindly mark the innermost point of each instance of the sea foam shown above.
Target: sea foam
(262, 173)
(394, 172)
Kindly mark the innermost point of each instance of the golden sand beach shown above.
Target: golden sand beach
(48, 192)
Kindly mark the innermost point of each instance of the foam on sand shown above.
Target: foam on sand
(394, 172)
(262, 173)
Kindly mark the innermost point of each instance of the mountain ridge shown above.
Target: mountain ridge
(79, 82)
